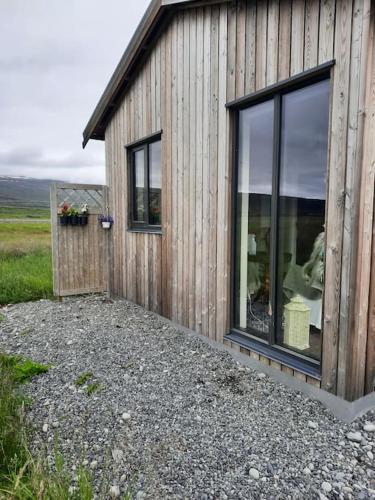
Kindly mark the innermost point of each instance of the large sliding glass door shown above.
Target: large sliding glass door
(281, 163)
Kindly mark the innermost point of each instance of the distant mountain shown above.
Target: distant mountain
(24, 191)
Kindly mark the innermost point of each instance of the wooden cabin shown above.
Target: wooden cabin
(240, 161)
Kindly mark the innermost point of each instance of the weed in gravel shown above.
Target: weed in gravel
(23, 369)
(92, 388)
(2, 317)
(83, 378)
(26, 330)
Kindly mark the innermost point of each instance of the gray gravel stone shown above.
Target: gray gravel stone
(369, 427)
(354, 436)
(326, 487)
(253, 473)
(199, 420)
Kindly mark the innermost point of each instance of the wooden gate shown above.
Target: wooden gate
(79, 252)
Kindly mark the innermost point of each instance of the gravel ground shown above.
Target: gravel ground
(173, 417)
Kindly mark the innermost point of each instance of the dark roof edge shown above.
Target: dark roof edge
(134, 52)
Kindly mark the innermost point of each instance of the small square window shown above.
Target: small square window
(144, 161)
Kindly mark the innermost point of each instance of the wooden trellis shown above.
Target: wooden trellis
(80, 253)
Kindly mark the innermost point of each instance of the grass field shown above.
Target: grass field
(24, 213)
(25, 261)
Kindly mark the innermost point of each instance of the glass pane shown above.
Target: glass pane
(155, 183)
(303, 166)
(139, 185)
(253, 219)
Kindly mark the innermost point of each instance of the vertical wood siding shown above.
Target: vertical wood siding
(205, 57)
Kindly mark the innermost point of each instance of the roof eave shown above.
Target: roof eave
(95, 127)
(138, 47)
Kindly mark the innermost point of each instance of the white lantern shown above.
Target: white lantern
(297, 324)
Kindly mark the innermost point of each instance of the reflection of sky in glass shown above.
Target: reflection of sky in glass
(139, 168)
(155, 163)
(255, 149)
(304, 142)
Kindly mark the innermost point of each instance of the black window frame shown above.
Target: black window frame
(131, 148)
(246, 339)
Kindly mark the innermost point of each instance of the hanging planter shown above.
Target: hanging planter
(106, 221)
(83, 219)
(64, 220)
(63, 214)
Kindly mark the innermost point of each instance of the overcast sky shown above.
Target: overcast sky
(56, 58)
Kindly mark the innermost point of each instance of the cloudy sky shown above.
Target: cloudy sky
(56, 58)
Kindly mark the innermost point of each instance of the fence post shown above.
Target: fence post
(55, 242)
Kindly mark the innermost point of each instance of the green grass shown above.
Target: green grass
(92, 388)
(25, 277)
(23, 369)
(25, 262)
(17, 238)
(83, 378)
(22, 476)
(24, 213)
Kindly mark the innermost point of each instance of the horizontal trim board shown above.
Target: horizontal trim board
(75, 187)
(274, 354)
(305, 76)
(148, 138)
(83, 291)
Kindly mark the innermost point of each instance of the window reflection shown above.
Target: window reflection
(303, 165)
(139, 178)
(155, 183)
(253, 310)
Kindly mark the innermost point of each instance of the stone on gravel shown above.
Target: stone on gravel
(93, 464)
(253, 473)
(354, 436)
(326, 487)
(117, 455)
(114, 491)
(369, 427)
(370, 455)
(45, 427)
(125, 416)
(312, 425)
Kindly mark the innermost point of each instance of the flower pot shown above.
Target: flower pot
(74, 220)
(64, 220)
(106, 225)
(83, 220)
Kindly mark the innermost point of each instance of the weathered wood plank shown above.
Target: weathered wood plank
(311, 34)
(272, 41)
(250, 40)
(335, 201)
(326, 30)
(222, 186)
(359, 338)
(240, 48)
(192, 166)
(199, 172)
(206, 168)
(261, 45)
(352, 185)
(285, 35)
(298, 37)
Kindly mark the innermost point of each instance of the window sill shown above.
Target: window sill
(275, 354)
(144, 230)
